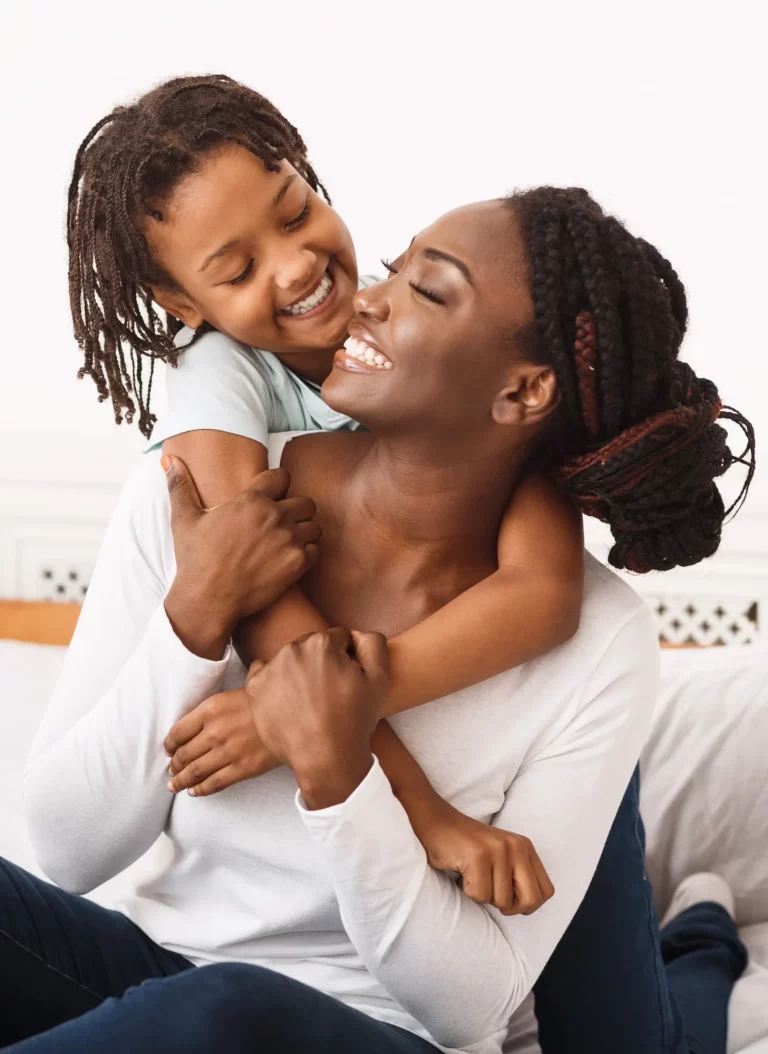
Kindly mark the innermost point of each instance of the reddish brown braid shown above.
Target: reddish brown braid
(636, 440)
(585, 354)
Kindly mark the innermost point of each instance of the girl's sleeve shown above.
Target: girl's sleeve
(219, 385)
(460, 969)
(95, 782)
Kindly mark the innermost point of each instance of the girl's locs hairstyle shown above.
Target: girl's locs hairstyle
(125, 169)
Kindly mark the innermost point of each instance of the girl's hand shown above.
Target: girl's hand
(236, 559)
(216, 745)
(497, 867)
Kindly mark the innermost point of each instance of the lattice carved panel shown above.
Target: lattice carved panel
(706, 621)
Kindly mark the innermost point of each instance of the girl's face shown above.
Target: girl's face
(256, 254)
(449, 328)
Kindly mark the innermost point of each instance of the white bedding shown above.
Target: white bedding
(705, 792)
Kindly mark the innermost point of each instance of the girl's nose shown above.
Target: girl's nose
(294, 269)
(373, 302)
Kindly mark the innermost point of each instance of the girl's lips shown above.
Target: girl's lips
(320, 308)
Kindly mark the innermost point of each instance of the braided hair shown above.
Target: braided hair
(125, 169)
(635, 439)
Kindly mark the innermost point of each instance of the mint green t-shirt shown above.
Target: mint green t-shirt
(222, 385)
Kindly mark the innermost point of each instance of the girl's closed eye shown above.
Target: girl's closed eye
(243, 274)
(297, 221)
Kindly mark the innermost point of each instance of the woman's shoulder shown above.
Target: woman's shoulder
(615, 620)
(317, 459)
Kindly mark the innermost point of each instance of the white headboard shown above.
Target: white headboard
(722, 601)
(52, 521)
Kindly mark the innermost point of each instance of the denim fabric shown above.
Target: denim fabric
(614, 984)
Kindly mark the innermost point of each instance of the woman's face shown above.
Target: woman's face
(448, 321)
(257, 254)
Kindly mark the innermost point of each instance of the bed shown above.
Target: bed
(705, 791)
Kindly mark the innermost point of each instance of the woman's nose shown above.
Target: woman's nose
(294, 269)
(372, 302)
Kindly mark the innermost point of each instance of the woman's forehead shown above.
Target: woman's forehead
(484, 235)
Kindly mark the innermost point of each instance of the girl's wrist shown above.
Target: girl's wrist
(199, 625)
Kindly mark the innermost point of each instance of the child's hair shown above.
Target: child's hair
(126, 167)
(635, 441)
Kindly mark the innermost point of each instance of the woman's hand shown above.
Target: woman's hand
(496, 866)
(216, 745)
(315, 708)
(236, 559)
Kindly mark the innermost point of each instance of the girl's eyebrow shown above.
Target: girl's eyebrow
(283, 189)
(228, 246)
(221, 251)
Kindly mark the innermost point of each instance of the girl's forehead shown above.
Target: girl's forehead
(228, 174)
(227, 197)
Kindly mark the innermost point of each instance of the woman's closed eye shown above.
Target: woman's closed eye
(422, 290)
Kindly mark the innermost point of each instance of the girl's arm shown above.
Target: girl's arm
(529, 606)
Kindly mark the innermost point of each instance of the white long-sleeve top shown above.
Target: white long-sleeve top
(342, 898)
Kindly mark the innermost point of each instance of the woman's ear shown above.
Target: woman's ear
(178, 305)
(528, 399)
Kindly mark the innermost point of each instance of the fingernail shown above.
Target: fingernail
(169, 785)
(192, 792)
(165, 462)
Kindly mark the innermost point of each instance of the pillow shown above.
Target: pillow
(705, 774)
(28, 673)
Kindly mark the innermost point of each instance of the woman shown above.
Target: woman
(422, 962)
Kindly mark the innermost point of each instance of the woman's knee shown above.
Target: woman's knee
(234, 1000)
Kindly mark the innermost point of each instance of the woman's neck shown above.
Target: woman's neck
(432, 502)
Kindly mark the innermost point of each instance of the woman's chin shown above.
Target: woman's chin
(354, 394)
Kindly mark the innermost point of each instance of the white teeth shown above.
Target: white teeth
(323, 289)
(358, 349)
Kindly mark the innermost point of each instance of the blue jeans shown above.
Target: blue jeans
(76, 978)
(611, 984)
(615, 984)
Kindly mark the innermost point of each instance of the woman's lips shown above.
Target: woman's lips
(348, 363)
(366, 352)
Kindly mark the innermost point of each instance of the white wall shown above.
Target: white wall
(408, 108)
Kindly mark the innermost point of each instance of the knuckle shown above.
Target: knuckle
(269, 515)
(294, 560)
(192, 775)
(479, 857)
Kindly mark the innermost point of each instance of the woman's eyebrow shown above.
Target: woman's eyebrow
(438, 254)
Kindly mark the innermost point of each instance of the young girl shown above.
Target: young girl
(263, 262)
